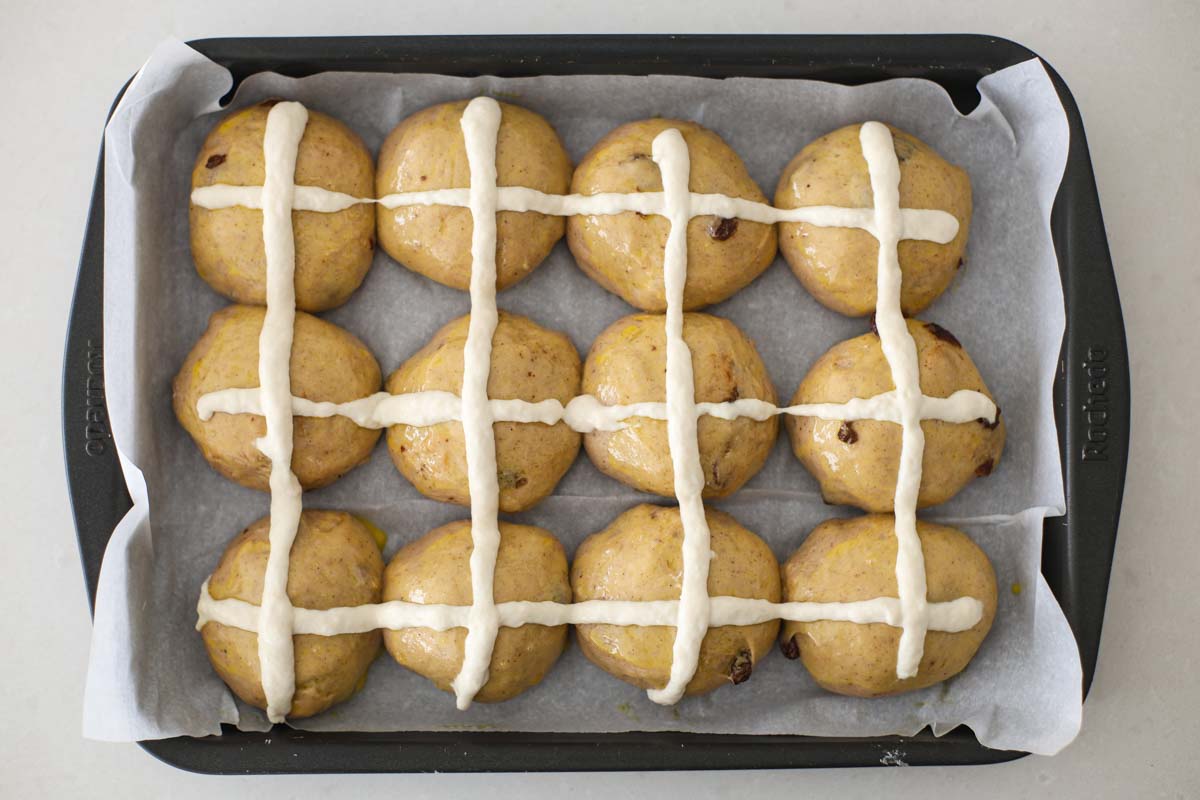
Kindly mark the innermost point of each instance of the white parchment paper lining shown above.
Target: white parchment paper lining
(148, 675)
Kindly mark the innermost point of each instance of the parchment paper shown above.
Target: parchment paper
(149, 676)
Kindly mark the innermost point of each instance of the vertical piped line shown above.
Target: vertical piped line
(281, 145)
(901, 353)
(671, 154)
(480, 126)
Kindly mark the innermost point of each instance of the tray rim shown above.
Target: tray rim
(1077, 225)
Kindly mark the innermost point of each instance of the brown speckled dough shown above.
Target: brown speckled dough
(844, 560)
(335, 562)
(627, 364)
(639, 557)
(333, 251)
(427, 151)
(624, 252)
(530, 565)
(856, 462)
(529, 363)
(327, 364)
(838, 266)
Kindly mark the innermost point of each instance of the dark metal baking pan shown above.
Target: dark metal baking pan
(1093, 376)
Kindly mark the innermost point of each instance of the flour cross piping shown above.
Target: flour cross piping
(695, 611)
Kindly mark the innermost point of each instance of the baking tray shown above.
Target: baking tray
(1093, 374)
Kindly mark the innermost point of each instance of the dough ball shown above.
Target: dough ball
(856, 463)
(627, 364)
(639, 557)
(427, 151)
(530, 565)
(624, 252)
(327, 364)
(846, 560)
(529, 363)
(333, 250)
(335, 562)
(838, 266)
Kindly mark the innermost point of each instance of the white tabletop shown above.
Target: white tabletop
(1134, 80)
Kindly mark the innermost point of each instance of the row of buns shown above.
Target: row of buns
(622, 252)
(336, 562)
(855, 463)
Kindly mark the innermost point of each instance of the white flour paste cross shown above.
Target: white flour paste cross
(277, 620)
